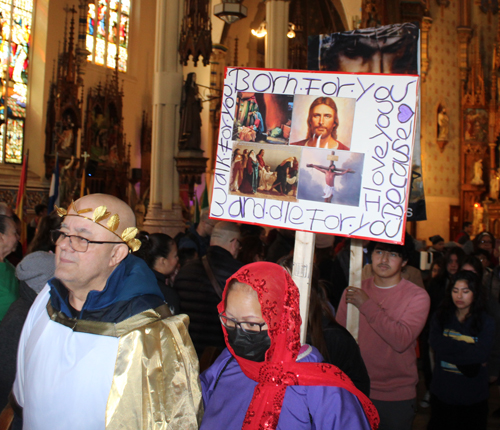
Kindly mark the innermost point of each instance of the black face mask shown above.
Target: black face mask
(250, 346)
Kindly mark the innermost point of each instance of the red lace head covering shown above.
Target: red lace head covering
(279, 301)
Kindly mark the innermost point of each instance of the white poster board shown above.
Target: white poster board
(319, 152)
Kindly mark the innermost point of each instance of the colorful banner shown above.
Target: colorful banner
(320, 152)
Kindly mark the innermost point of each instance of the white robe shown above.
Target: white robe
(135, 374)
(53, 360)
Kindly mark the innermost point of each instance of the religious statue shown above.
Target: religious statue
(190, 132)
(443, 124)
(494, 184)
(66, 181)
(65, 139)
(478, 173)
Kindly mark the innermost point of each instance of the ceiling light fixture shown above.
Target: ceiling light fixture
(261, 31)
(230, 11)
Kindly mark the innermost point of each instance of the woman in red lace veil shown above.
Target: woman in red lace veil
(265, 379)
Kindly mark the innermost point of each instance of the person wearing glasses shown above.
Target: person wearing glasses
(265, 378)
(99, 345)
(393, 312)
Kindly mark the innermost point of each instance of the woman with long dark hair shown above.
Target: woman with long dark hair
(159, 251)
(334, 342)
(462, 337)
(437, 286)
(252, 250)
(41, 241)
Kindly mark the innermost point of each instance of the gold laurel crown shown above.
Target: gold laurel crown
(101, 213)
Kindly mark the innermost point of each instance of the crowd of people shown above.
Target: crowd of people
(105, 326)
(250, 173)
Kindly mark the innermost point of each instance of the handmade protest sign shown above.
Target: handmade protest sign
(318, 152)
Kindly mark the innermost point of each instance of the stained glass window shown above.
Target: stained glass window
(15, 42)
(107, 32)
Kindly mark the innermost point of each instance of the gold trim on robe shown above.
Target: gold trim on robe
(156, 379)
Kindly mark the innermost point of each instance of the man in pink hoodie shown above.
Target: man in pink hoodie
(393, 312)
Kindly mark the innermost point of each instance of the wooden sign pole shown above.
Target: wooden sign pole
(355, 269)
(303, 256)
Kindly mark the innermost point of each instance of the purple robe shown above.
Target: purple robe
(327, 407)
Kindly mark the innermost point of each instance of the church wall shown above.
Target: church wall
(138, 85)
(349, 11)
(441, 170)
(137, 82)
(442, 86)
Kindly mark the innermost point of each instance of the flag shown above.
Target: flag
(22, 187)
(54, 187)
(82, 185)
(204, 198)
(196, 215)
(21, 192)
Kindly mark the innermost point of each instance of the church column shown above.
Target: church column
(276, 39)
(164, 214)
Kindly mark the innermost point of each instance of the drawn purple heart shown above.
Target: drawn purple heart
(404, 113)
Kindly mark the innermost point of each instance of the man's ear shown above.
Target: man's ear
(234, 247)
(405, 262)
(118, 254)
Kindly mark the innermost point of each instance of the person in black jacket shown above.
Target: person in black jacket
(334, 342)
(461, 335)
(159, 251)
(199, 296)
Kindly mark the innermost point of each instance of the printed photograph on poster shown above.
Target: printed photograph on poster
(265, 171)
(387, 49)
(263, 117)
(330, 176)
(322, 122)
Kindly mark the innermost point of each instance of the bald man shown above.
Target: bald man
(199, 296)
(99, 345)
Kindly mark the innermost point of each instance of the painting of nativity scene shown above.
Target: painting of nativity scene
(265, 172)
(262, 117)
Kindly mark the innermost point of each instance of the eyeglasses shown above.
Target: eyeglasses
(247, 327)
(77, 243)
(486, 241)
